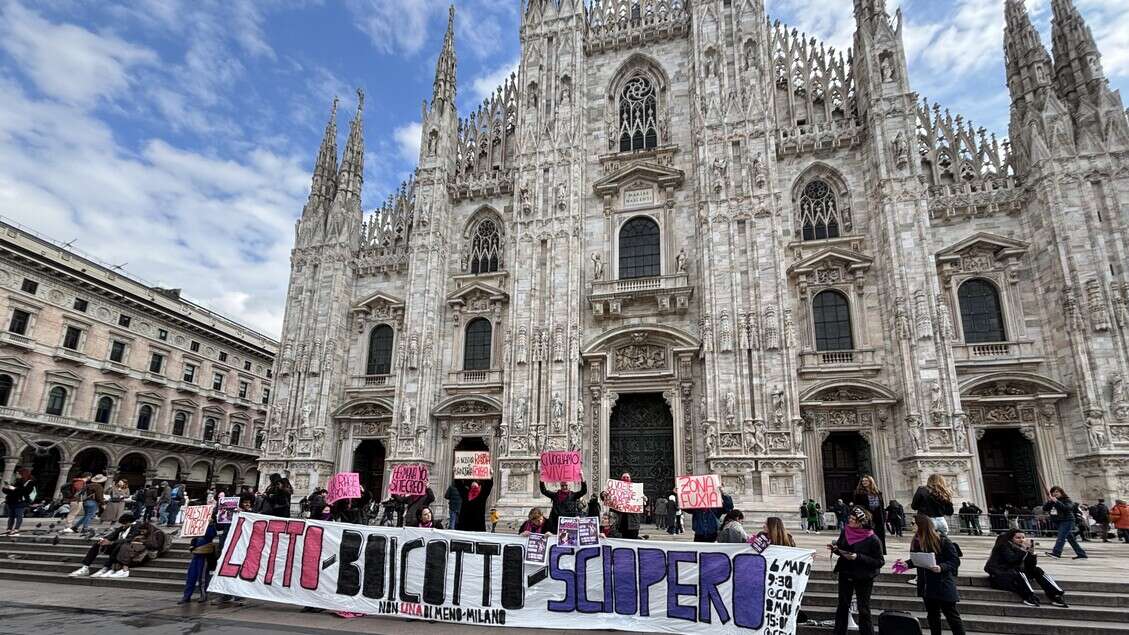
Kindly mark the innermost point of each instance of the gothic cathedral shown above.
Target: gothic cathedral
(684, 238)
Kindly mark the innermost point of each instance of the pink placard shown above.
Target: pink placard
(472, 466)
(699, 492)
(624, 497)
(408, 479)
(196, 520)
(343, 485)
(560, 467)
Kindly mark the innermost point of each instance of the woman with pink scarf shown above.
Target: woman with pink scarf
(860, 559)
(472, 517)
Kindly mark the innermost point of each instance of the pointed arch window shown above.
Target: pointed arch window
(476, 350)
(56, 401)
(831, 314)
(639, 249)
(144, 417)
(6, 385)
(380, 350)
(819, 211)
(486, 247)
(236, 434)
(980, 314)
(209, 429)
(638, 122)
(179, 423)
(104, 410)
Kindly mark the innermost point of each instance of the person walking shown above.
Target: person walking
(454, 505)
(1119, 516)
(151, 494)
(116, 499)
(564, 501)
(672, 513)
(895, 517)
(840, 511)
(813, 516)
(732, 529)
(936, 585)
(660, 512)
(92, 500)
(1062, 510)
(869, 497)
(1100, 513)
(176, 500)
(935, 500)
(494, 518)
(860, 558)
(164, 495)
(1013, 564)
(18, 496)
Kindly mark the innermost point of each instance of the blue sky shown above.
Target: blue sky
(178, 137)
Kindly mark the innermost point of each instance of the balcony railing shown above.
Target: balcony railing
(475, 377)
(670, 292)
(187, 386)
(68, 354)
(14, 339)
(860, 360)
(116, 368)
(633, 285)
(990, 353)
(155, 378)
(371, 381)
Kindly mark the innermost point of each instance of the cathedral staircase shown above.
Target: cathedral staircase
(1095, 608)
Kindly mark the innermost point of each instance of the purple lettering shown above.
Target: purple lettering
(748, 590)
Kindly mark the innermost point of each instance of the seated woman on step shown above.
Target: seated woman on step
(1013, 564)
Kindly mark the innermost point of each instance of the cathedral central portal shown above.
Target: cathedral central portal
(641, 442)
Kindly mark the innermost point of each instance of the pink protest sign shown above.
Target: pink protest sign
(343, 485)
(409, 479)
(560, 467)
(699, 492)
(196, 519)
(624, 497)
(472, 466)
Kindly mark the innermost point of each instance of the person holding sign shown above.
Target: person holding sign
(626, 523)
(473, 515)
(204, 559)
(860, 559)
(936, 583)
(413, 505)
(565, 502)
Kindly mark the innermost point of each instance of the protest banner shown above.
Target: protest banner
(343, 485)
(196, 519)
(560, 467)
(699, 492)
(472, 466)
(408, 479)
(228, 506)
(483, 579)
(587, 531)
(536, 548)
(624, 497)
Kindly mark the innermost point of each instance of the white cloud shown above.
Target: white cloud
(396, 26)
(68, 62)
(484, 85)
(407, 141)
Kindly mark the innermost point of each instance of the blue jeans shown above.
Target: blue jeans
(16, 515)
(454, 519)
(171, 513)
(1066, 534)
(89, 509)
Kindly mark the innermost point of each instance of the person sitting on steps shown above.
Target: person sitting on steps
(130, 544)
(1013, 564)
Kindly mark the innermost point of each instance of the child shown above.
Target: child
(494, 520)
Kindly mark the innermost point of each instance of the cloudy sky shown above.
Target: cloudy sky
(178, 137)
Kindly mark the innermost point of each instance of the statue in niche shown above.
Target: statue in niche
(557, 410)
(711, 438)
(778, 405)
(519, 416)
(960, 433)
(935, 404)
(597, 267)
(915, 432)
(730, 406)
(680, 261)
(1095, 430)
(901, 150)
(887, 66)
(319, 440)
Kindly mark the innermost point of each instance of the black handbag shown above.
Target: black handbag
(898, 623)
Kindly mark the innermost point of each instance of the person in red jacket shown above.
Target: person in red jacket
(1119, 516)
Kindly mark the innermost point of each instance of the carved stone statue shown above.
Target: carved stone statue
(1116, 388)
(778, 405)
(901, 319)
(887, 67)
(557, 409)
(319, 440)
(519, 416)
(711, 439)
(935, 400)
(730, 406)
(960, 433)
(680, 261)
(901, 150)
(913, 425)
(597, 267)
(1095, 430)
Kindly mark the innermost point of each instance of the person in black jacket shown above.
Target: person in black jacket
(277, 497)
(869, 497)
(1062, 510)
(565, 502)
(860, 559)
(937, 585)
(413, 505)
(1013, 563)
(18, 497)
(473, 515)
(935, 500)
(1100, 513)
(895, 517)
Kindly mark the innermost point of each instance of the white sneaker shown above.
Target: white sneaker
(81, 571)
(121, 573)
(103, 572)
(68, 530)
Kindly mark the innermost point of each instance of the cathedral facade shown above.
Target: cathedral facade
(684, 238)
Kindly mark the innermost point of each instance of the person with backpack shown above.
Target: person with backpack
(936, 585)
(895, 517)
(176, 499)
(1062, 511)
(18, 496)
(706, 522)
(1100, 513)
(860, 560)
(564, 502)
(91, 500)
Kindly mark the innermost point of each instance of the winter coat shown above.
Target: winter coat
(707, 521)
(868, 562)
(473, 515)
(454, 499)
(566, 507)
(1100, 513)
(278, 500)
(733, 532)
(942, 586)
(19, 493)
(1060, 509)
(928, 503)
(878, 513)
(594, 507)
(1119, 516)
(413, 505)
(1006, 558)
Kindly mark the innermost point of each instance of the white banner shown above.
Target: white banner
(479, 578)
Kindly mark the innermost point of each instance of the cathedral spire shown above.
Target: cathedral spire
(1027, 61)
(351, 177)
(324, 184)
(444, 89)
(1077, 60)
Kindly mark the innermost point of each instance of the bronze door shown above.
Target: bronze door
(846, 459)
(1007, 462)
(641, 442)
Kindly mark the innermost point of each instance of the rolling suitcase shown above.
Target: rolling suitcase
(898, 623)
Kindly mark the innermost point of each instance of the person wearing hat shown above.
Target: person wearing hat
(109, 545)
(860, 560)
(93, 500)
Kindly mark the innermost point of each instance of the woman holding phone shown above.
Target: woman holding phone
(860, 559)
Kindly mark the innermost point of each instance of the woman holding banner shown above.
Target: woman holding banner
(860, 559)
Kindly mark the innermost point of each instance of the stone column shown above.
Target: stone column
(10, 463)
(64, 470)
(1047, 458)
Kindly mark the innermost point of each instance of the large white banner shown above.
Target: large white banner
(480, 578)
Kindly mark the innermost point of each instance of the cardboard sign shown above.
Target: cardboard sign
(624, 497)
(699, 492)
(536, 548)
(196, 519)
(560, 467)
(228, 506)
(715, 588)
(472, 466)
(588, 531)
(568, 534)
(409, 479)
(343, 485)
